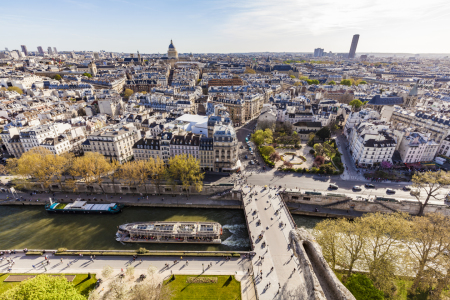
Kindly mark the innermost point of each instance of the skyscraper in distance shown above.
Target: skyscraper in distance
(55, 51)
(24, 50)
(40, 50)
(50, 51)
(352, 52)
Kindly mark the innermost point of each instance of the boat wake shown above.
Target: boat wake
(238, 238)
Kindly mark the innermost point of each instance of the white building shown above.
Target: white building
(416, 147)
(371, 143)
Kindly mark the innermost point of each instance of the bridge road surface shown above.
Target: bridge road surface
(196, 265)
(276, 252)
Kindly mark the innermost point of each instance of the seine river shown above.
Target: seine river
(32, 227)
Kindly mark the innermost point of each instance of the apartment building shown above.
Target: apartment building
(371, 143)
(206, 152)
(185, 143)
(114, 142)
(225, 149)
(416, 147)
(147, 148)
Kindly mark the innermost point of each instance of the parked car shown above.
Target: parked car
(369, 186)
(390, 191)
(333, 187)
(252, 162)
(357, 188)
(242, 147)
(406, 188)
(246, 157)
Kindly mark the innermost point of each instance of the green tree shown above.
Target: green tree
(91, 168)
(428, 240)
(311, 138)
(260, 137)
(346, 82)
(43, 287)
(57, 77)
(127, 93)
(267, 150)
(87, 74)
(292, 76)
(319, 149)
(429, 184)
(355, 104)
(362, 82)
(15, 89)
(362, 288)
(186, 170)
(157, 170)
(324, 133)
(332, 82)
(249, 71)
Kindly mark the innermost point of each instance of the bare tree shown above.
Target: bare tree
(430, 183)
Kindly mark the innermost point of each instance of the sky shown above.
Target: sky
(227, 26)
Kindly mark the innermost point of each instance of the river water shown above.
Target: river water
(32, 227)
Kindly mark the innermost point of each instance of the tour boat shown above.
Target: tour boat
(82, 207)
(170, 232)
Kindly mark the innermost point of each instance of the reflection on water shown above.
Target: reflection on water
(306, 221)
(33, 227)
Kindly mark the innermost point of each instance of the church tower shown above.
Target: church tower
(93, 69)
(172, 52)
(413, 96)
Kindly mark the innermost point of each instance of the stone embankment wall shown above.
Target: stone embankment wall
(320, 281)
(347, 203)
(149, 189)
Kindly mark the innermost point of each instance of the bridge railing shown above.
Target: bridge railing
(290, 218)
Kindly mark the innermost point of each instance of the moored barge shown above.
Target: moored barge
(170, 232)
(81, 207)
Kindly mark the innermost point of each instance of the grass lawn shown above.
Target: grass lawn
(81, 282)
(226, 288)
(403, 286)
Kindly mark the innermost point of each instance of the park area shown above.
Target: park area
(82, 283)
(284, 150)
(204, 287)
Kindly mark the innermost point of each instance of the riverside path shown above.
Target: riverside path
(275, 267)
(187, 265)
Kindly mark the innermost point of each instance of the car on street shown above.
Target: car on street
(252, 162)
(356, 188)
(246, 157)
(390, 191)
(406, 188)
(242, 147)
(369, 186)
(333, 187)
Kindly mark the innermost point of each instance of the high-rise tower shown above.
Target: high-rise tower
(40, 50)
(24, 50)
(352, 52)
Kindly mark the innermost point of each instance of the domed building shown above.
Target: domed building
(172, 52)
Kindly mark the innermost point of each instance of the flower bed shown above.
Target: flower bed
(201, 280)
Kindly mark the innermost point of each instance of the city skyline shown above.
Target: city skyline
(228, 26)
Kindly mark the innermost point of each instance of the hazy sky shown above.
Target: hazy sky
(201, 26)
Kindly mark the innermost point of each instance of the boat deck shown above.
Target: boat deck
(170, 232)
